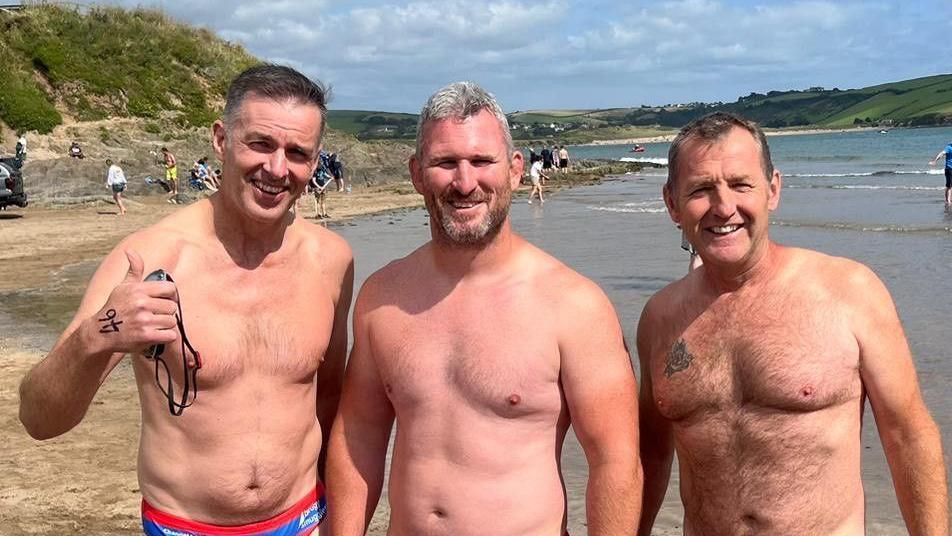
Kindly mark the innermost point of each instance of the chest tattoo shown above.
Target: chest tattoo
(679, 358)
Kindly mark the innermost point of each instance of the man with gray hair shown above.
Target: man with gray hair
(235, 414)
(756, 366)
(472, 345)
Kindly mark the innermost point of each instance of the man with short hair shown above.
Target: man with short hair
(236, 412)
(756, 366)
(171, 172)
(948, 170)
(116, 180)
(472, 344)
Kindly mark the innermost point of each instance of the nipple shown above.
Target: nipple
(806, 391)
(513, 399)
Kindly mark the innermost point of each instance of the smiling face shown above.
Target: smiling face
(267, 155)
(722, 200)
(466, 177)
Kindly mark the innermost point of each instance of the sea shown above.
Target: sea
(866, 195)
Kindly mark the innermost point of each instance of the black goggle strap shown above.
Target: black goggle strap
(189, 372)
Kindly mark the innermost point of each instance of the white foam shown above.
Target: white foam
(645, 159)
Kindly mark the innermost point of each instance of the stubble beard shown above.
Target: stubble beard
(458, 233)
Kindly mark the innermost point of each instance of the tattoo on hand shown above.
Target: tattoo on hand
(679, 358)
(110, 324)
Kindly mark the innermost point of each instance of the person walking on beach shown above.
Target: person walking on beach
(536, 175)
(318, 185)
(236, 412)
(948, 170)
(563, 159)
(116, 180)
(171, 172)
(756, 366)
(472, 345)
(337, 170)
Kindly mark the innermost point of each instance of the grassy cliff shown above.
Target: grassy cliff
(98, 62)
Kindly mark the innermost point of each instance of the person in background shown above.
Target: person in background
(948, 170)
(116, 180)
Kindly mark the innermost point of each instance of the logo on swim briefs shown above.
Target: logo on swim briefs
(173, 532)
(313, 515)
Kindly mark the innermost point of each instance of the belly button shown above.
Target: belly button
(439, 513)
(513, 399)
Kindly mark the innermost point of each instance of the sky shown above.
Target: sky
(581, 54)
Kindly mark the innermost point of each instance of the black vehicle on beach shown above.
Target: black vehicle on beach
(11, 183)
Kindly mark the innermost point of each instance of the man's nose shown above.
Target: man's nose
(723, 204)
(277, 164)
(464, 179)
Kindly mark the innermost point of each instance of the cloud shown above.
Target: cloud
(569, 53)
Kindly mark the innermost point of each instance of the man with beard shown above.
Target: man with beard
(756, 366)
(236, 412)
(484, 349)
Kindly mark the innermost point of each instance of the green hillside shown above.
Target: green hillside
(917, 102)
(373, 125)
(97, 62)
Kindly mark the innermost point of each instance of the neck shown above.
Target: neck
(760, 267)
(458, 261)
(247, 242)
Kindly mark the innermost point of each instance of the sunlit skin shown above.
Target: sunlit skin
(265, 297)
(756, 368)
(466, 177)
(471, 346)
(722, 201)
(273, 150)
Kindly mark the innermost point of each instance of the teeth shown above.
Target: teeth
(724, 229)
(268, 188)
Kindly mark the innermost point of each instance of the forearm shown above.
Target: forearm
(919, 474)
(57, 392)
(613, 497)
(657, 472)
(354, 482)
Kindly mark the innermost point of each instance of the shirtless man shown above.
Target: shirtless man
(484, 349)
(265, 298)
(756, 366)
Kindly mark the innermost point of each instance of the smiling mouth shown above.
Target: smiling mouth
(268, 188)
(460, 204)
(724, 229)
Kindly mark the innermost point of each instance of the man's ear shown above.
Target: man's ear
(776, 181)
(671, 202)
(218, 140)
(516, 166)
(416, 173)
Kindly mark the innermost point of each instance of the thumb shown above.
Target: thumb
(135, 266)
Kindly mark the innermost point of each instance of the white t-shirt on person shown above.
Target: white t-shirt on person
(115, 176)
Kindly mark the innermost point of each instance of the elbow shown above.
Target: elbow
(36, 426)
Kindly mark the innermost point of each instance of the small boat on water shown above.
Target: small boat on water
(637, 149)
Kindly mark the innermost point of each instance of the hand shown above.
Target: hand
(931, 162)
(137, 313)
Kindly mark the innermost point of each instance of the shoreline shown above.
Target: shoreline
(668, 138)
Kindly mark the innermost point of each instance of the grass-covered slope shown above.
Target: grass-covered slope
(99, 62)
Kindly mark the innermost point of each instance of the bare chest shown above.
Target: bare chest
(794, 356)
(502, 362)
(248, 326)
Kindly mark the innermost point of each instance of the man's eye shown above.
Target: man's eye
(259, 145)
(743, 186)
(446, 164)
(482, 162)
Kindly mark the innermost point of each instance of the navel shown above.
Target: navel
(514, 399)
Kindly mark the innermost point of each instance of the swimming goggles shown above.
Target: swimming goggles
(189, 366)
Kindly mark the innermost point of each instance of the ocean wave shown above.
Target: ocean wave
(651, 207)
(880, 173)
(645, 159)
(857, 187)
(867, 228)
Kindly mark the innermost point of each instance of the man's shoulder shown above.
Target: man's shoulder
(810, 267)
(322, 241)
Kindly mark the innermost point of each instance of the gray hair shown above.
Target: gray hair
(461, 100)
(278, 83)
(710, 128)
